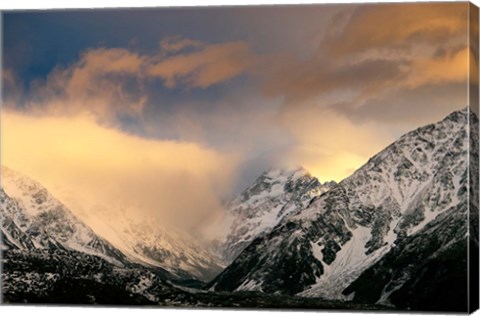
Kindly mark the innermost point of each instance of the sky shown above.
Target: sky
(174, 110)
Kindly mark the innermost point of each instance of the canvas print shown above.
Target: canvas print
(283, 157)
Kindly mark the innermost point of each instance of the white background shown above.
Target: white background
(77, 311)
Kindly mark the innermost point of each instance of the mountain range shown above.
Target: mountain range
(393, 235)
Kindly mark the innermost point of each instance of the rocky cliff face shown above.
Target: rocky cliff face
(398, 194)
(429, 270)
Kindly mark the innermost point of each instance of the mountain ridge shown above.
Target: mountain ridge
(392, 234)
(389, 198)
(32, 218)
(39, 221)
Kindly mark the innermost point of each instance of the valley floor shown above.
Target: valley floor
(100, 294)
(67, 278)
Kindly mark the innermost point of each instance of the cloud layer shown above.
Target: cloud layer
(109, 83)
(212, 114)
(204, 67)
(179, 183)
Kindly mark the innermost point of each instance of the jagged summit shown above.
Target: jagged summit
(276, 193)
(288, 171)
(277, 181)
(459, 115)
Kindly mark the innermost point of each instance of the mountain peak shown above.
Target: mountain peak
(458, 116)
(7, 172)
(286, 171)
(276, 193)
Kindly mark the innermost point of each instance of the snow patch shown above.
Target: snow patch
(349, 263)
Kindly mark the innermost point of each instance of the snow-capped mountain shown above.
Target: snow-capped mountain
(428, 270)
(410, 187)
(275, 194)
(32, 219)
(50, 255)
(149, 242)
(393, 233)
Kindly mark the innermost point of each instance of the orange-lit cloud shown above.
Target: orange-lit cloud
(407, 108)
(300, 80)
(177, 43)
(108, 83)
(374, 52)
(177, 182)
(95, 84)
(338, 99)
(330, 145)
(209, 65)
(450, 68)
(398, 26)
